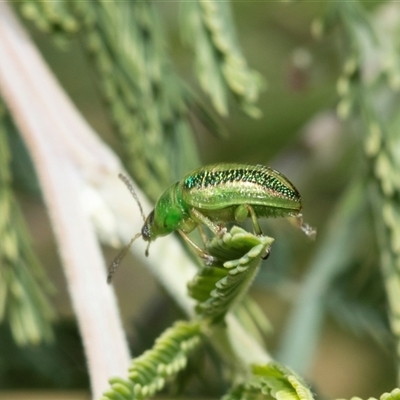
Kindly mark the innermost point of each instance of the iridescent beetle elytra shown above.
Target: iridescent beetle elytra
(214, 195)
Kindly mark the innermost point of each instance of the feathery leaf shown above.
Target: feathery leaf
(23, 285)
(217, 288)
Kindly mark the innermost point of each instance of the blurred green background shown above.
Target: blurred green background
(299, 134)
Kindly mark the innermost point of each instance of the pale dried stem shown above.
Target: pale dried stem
(65, 153)
(79, 178)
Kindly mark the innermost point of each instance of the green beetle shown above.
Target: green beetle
(213, 195)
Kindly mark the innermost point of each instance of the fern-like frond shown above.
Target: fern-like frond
(367, 93)
(393, 395)
(371, 94)
(149, 372)
(220, 66)
(23, 285)
(217, 288)
(146, 99)
(281, 382)
(53, 17)
(385, 199)
(268, 381)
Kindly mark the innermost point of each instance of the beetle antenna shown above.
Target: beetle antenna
(129, 185)
(147, 250)
(114, 266)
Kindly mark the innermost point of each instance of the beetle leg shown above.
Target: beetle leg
(243, 211)
(199, 217)
(254, 220)
(202, 234)
(208, 258)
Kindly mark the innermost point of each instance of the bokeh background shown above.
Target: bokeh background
(298, 134)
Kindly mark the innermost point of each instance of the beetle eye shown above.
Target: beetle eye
(146, 232)
(146, 229)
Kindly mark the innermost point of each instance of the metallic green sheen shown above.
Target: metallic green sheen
(216, 191)
(223, 185)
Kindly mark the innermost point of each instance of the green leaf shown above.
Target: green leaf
(207, 27)
(219, 287)
(148, 373)
(271, 380)
(24, 287)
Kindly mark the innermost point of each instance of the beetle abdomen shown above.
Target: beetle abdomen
(223, 185)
